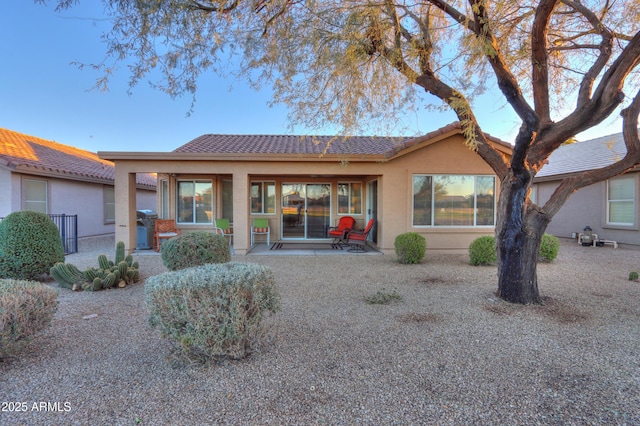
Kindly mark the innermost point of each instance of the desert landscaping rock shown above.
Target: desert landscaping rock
(448, 353)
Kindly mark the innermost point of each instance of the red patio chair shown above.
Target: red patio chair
(339, 233)
(358, 239)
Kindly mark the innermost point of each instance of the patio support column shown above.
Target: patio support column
(241, 212)
(125, 195)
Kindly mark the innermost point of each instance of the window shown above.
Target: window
(621, 201)
(164, 199)
(195, 201)
(35, 195)
(350, 198)
(227, 199)
(263, 197)
(449, 200)
(109, 195)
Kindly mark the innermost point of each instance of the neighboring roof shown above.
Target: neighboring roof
(314, 145)
(29, 154)
(588, 155)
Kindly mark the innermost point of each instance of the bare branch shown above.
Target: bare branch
(211, 8)
(632, 157)
(605, 48)
(540, 60)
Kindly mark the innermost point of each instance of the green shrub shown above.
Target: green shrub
(382, 297)
(410, 247)
(633, 276)
(26, 308)
(482, 251)
(30, 245)
(549, 247)
(212, 311)
(193, 249)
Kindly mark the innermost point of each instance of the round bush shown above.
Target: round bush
(30, 245)
(193, 249)
(410, 247)
(548, 248)
(482, 251)
(26, 308)
(212, 311)
(633, 276)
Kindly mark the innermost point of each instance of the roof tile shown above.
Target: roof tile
(587, 155)
(21, 150)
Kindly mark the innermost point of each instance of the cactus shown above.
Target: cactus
(109, 281)
(107, 275)
(103, 262)
(119, 252)
(97, 284)
(66, 274)
(123, 268)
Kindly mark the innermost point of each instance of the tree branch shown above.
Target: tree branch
(605, 47)
(606, 98)
(540, 60)
(210, 8)
(632, 157)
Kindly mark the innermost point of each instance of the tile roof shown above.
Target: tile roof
(587, 155)
(37, 155)
(290, 144)
(314, 145)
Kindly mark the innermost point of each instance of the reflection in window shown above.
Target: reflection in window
(109, 194)
(164, 199)
(263, 197)
(35, 195)
(350, 198)
(227, 199)
(621, 201)
(448, 200)
(195, 202)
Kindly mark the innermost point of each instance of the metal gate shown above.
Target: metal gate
(68, 226)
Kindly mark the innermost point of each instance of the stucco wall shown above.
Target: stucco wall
(69, 197)
(448, 156)
(586, 207)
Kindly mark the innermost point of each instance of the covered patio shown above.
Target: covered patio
(303, 185)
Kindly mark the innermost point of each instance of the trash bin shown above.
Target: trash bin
(145, 225)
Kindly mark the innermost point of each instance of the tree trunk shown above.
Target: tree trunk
(519, 232)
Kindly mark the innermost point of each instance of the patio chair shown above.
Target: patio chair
(223, 227)
(358, 239)
(260, 227)
(163, 230)
(339, 233)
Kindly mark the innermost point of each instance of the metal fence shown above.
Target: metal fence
(68, 226)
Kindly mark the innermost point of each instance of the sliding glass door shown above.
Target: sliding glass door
(306, 210)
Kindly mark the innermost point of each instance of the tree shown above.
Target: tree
(346, 61)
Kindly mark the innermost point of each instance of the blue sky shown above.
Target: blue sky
(43, 94)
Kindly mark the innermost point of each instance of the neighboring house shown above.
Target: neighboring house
(45, 176)
(609, 208)
(433, 185)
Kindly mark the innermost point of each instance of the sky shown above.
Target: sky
(43, 94)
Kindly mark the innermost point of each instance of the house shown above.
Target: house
(609, 208)
(433, 185)
(49, 177)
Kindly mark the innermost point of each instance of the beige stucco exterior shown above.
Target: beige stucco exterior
(442, 155)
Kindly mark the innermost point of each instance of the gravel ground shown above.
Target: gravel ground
(449, 353)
